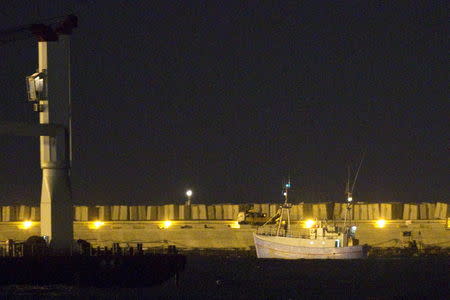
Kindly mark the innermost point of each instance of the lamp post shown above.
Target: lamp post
(189, 195)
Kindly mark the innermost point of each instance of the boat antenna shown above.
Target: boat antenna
(284, 209)
(347, 188)
(348, 191)
(286, 187)
(357, 172)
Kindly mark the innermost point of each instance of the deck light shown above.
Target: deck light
(380, 223)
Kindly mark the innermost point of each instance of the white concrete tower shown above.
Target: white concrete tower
(56, 199)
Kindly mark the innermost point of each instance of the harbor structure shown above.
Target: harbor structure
(383, 225)
(49, 93)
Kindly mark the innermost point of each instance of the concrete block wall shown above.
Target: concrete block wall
(115, 211)
(299, 211)
(133, 213)
(273, 208)
(81, 213)
(123, 213)
(265, 208)
(227, 211)
(360, 211)
(10, 213)
(218, 211)
(410, 211)
(104, 213)
(24, 213)
(340, 211)
(258, 207)
(386, 211)
(152, 213)
(198, 212)
(35, 213)
(171, 212)
(184, 212)
(373, 211)
(210, 212)
(235, 211)
(142, 212)
(440, 211)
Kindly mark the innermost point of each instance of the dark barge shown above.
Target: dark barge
(99, 267)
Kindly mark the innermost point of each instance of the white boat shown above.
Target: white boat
(321, 241)
(320, 244)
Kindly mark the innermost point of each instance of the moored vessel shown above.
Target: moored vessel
(320, 241)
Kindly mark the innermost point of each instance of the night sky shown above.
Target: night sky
(230, 98)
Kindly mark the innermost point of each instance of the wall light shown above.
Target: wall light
(166, 224)
(380, 223)
(96, 225)
(26, 225)
(309, 223)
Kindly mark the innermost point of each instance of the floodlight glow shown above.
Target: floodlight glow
(26, 225)
(96, 225)
(189, 193)
(309, 223)
(349, 199)
(380, 223)
(166, 224)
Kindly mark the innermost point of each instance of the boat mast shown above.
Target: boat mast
(349, 196)
(284, 209)
(349, 191)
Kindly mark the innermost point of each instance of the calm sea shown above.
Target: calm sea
(243, 277)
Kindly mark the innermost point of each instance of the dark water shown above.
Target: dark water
(234, 277)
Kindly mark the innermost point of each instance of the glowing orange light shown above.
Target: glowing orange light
(26, 225)
(309, 223)
(97, 224)
(380, 223)
(166, 224)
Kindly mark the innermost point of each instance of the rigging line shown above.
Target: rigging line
(357, 172)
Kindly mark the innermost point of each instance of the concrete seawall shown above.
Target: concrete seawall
(207, 234)
(215, 226)
(299, 211)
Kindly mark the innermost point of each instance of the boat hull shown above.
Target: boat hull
(290, 248)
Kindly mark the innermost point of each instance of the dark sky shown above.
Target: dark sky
(231, 97)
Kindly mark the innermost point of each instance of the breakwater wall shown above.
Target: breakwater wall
(299, 211)
(216, 234)
(201, 226)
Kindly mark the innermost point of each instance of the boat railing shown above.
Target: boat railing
(273, 231)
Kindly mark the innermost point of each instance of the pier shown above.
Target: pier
(203, 226)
